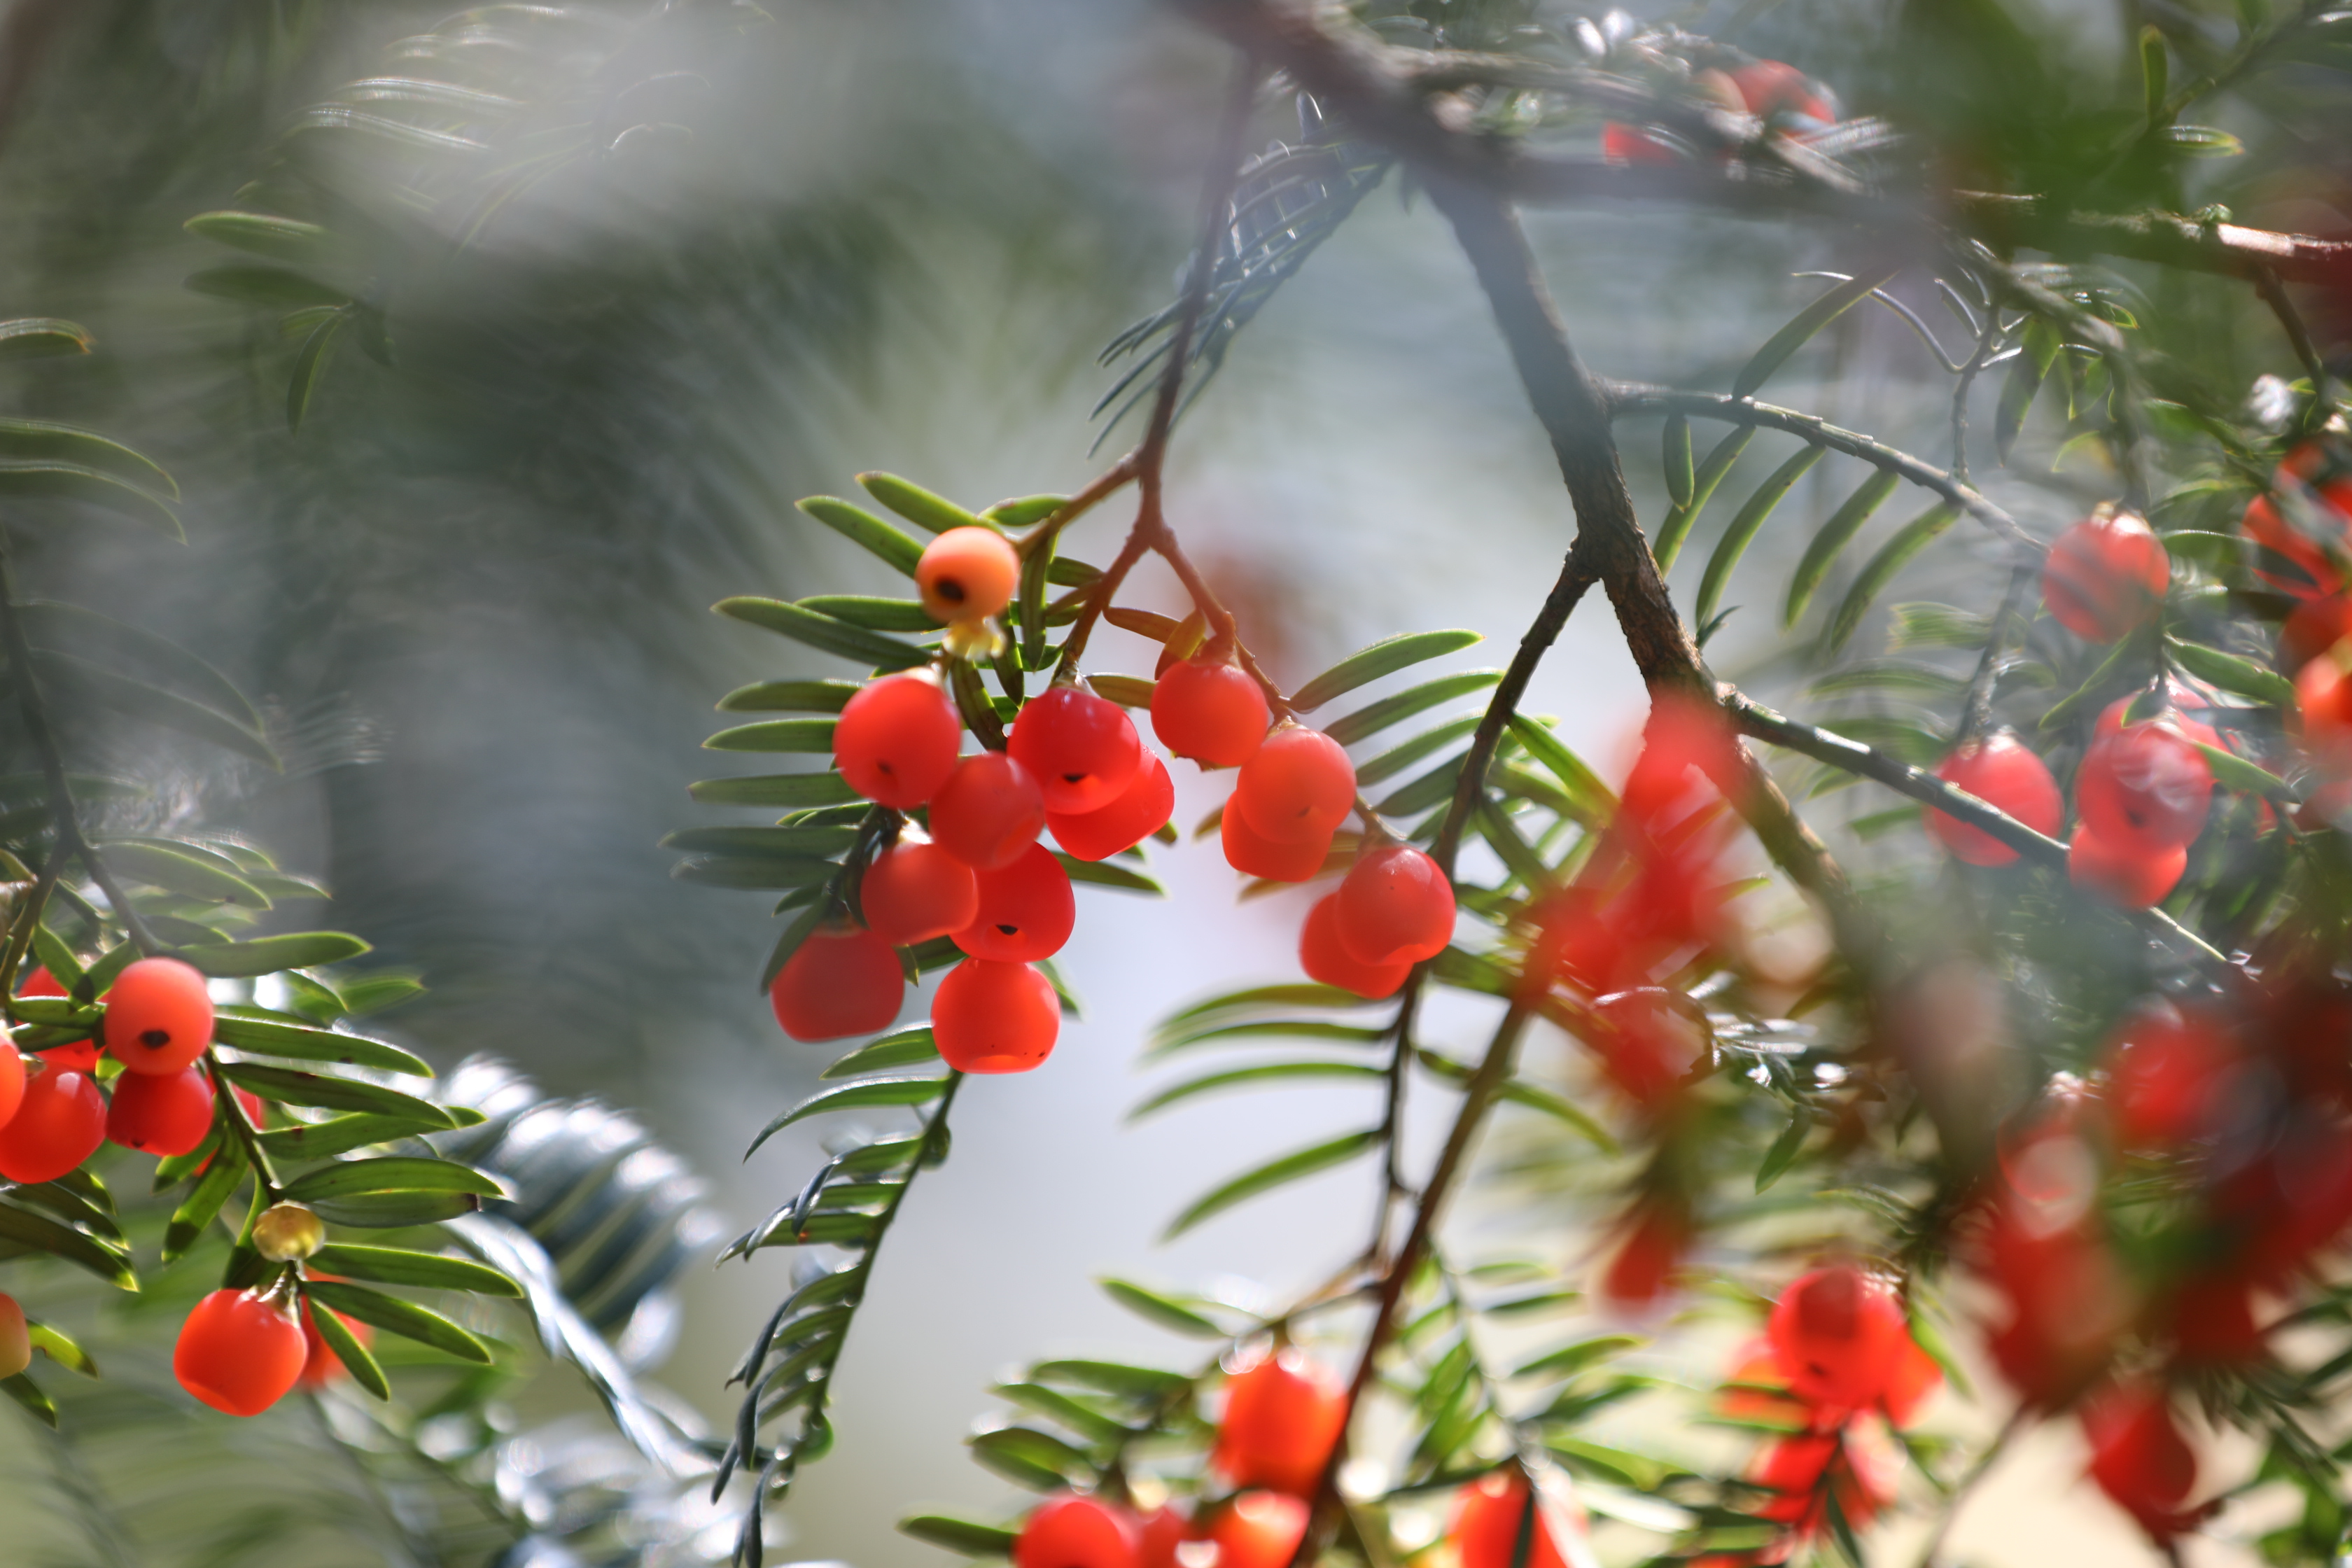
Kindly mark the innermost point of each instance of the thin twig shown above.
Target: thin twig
(20, 936)
(1976, 708)
(1967, 1484)
(1987, 336)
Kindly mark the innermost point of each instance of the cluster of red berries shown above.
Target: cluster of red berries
(159, 1021)
(1772, 91)
(2307, 519)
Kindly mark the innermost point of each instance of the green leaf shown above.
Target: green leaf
(310, 366)
(202, 1204)
(1572, 1359)
(1031, 1458)
(818, 911)
(396, 1211)
(398, 1266)
(61, 1348)
(907, 1047)
(1892, 557)
(278, 238)
(2232, 673)
(1677, 525)
(1171, 1038)
(342, 1134)
(351, 1178)
(1371, 719)
(1155, 1308)
(39, 440)
(1535, 1097)
(1253, 999)
(809, 736)
(1833, 537)
(1146, 1383)
(2233, 772)
(74, 630)
(1383, 657)
(2120, 668)
(1583, 786)
(1263, 1072)
(272, 287)
(1127, 691)
(861, 1095)
(41, 337)
(854, 643)
(269, 955)
(1785, 1148)
(1103, 874)
(1744, 526)
(919, 506)
(27, 1392)
(783, 843)
(271, 1038)
(748, 873)
(862, 527)
(959, 1535)
(348, 1350)
(2017, 392)
(791, 697)
(42, 1234)
(94, 487)
(91, 683)
(1802, 327)
(873, 613)
(2202, 142)
(1435, 785)
(1398, 758)
(1676, 441)
(2154, 72)
(395, 1316)
(288, 1087)
(786, 790)
(1274, 1173)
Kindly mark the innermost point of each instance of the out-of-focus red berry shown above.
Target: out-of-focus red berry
(2146, 788)
(1648, 1045)
(2002, 772)
(1025, 911)
(838, 982)
(1209, 710)
(1259, 1530)
(12, 1081)
(239, 1352)
(2128, 878)
(15, 1338)
(1686, 746)
(1395, 907)
(1283, 1413)
(914, 891)
(161, 1114)
(2105, 575)
(1917, 1377)
(59, 1123)
(1490, 1515)
(991, 1017)
(41, 983)
(2324, 692)
(1083, 749)
(2186, 703)
(2139, 1459)
(1623, 143)
(987, 812)
(2068, 1298)
(1140, 811)
(1775, 88)
(1299, 789)
(1067, 1531)
(1839, 1334)
(895, 740)
(159, 1016)
(967, 575)
(1164, 1529)
(1327, 959)
(2326, 510)
(2312, 627)
(2164, 1076)
(2211, 1320)
(1644, 1269)
(1252, 855)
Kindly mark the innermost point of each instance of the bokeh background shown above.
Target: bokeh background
(473, 590)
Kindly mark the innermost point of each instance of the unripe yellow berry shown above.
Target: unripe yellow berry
(285, 1232)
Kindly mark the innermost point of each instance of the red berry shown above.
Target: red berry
(1623, 143)
(319, 1364)
(895, 742)
(161, 1114)
(41, 983)
(1644, 1265)
(1140, 811)
(12, 1081)
(1252, 855)
(2131, 879)
(2324, 692)
(2001, 772)
(239, 1352)
(1083, 748)
(1839, 1334)
(1283, 1413)
(914, 891)
(1488, 1517)
(60, 1123)
(15, 1340)
(2166, 1073)
(76, 1055)
(1025, 911)
(987, 812)
(1164, 1529)
(1395, 907)
(993, 1018)
(1917, 1378)
(159, 1016)
(1067, 1531)
(1326, 957)
(1773, 87)
(1299, 789)
(837, 982)
(2212, 1321)
(2139, 1457)
(2186, 703)
(2105, 575)
(1684, 736)
(1259, 1530)
(2146, 788)
(967, 575)
(2313, 627)
(1209, 710)
(2326, 506)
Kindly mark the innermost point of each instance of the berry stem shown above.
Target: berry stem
(1976, 708)
(20, 936)
(241, 1128)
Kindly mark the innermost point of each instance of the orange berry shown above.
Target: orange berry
(914, 891)
(60, 1123)
(2133, 878)
(159, 1016)
(15, 1340)
(967, 575)
(991, 1018)
(1283, 1413)
(1025, 912)
(1487, 1519)
(1082, 748)
(987, 812)
(1259, 1530)
(1067, 1531)
(160, 1113)
(1255, 856)
(2105, 575)
(11, 1080)
(239, 1352)
(1839, 1334)
(837, 982)
(1140, 811)
(1209, 710)
(1299, 788)
(895, 740)
(2001, 772)
(1327, 959)
(1395, 907)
